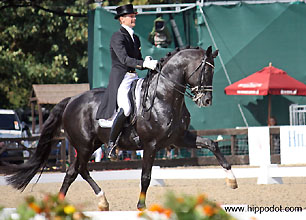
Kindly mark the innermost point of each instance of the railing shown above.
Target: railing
(233, 144)
(19, 150)
(178, 8)
(297, 114)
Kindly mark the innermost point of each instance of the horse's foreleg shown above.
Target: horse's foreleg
(193, 141)
(147, 163)
(103, 203)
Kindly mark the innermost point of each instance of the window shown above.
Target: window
(9, 122)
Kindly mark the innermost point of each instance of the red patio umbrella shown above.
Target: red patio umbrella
(268, 81)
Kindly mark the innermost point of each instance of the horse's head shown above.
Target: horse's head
(200, 77)
(197, 66)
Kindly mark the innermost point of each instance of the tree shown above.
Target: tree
(44, 42)
(40, 42)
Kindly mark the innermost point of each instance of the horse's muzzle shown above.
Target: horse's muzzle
(205, 100)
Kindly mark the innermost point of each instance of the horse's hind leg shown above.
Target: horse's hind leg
(103, 204)
(71, 175)
(191, 140)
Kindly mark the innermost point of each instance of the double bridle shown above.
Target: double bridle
(197, 91)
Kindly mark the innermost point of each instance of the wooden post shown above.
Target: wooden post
(33, 117)
(134, 156)
(40, 116)
(271, 144)
(233, 144)
(193, 153)
(269, 109)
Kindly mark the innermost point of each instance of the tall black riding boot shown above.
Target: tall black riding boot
(115, 131)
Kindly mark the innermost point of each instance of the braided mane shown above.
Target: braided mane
(166, 58)
(151, 73)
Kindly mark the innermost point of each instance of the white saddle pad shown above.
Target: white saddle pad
(109, 123)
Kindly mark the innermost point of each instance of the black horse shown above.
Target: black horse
(162, 121)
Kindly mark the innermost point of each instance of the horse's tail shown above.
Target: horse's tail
(22, 174)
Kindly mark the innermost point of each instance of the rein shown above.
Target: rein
(197, 91)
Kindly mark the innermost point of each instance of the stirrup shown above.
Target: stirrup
(112, 155)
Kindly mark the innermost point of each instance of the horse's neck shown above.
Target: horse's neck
(173, 79)
(170, 86)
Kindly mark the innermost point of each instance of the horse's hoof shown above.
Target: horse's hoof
(102, 208)
(232, 183)
(141, 207)
(103, 205)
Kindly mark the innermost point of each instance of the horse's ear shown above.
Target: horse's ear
(208, 51)
(215, 54)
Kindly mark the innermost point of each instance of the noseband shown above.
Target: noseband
(199, 90)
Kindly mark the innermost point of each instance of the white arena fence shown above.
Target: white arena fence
(160, 174)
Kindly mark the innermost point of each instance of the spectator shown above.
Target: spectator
(160, 36)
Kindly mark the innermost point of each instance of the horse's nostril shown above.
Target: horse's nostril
(207, 101)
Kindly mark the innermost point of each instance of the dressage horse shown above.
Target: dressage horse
(161, 121)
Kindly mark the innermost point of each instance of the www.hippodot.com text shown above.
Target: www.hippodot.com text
(262, 209)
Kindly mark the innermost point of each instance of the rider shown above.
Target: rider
(126, 56)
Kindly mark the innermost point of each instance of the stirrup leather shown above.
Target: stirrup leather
(110, 154)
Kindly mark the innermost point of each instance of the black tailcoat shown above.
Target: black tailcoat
(126, 56)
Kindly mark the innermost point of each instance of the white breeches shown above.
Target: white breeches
(122, 95)
(98, 154)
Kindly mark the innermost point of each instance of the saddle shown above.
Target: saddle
(134, 98)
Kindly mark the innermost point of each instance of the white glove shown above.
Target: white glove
(149, 64)
(148, 58)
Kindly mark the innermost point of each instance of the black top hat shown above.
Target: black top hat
(124, 9)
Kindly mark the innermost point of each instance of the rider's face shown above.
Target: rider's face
(128, 20)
